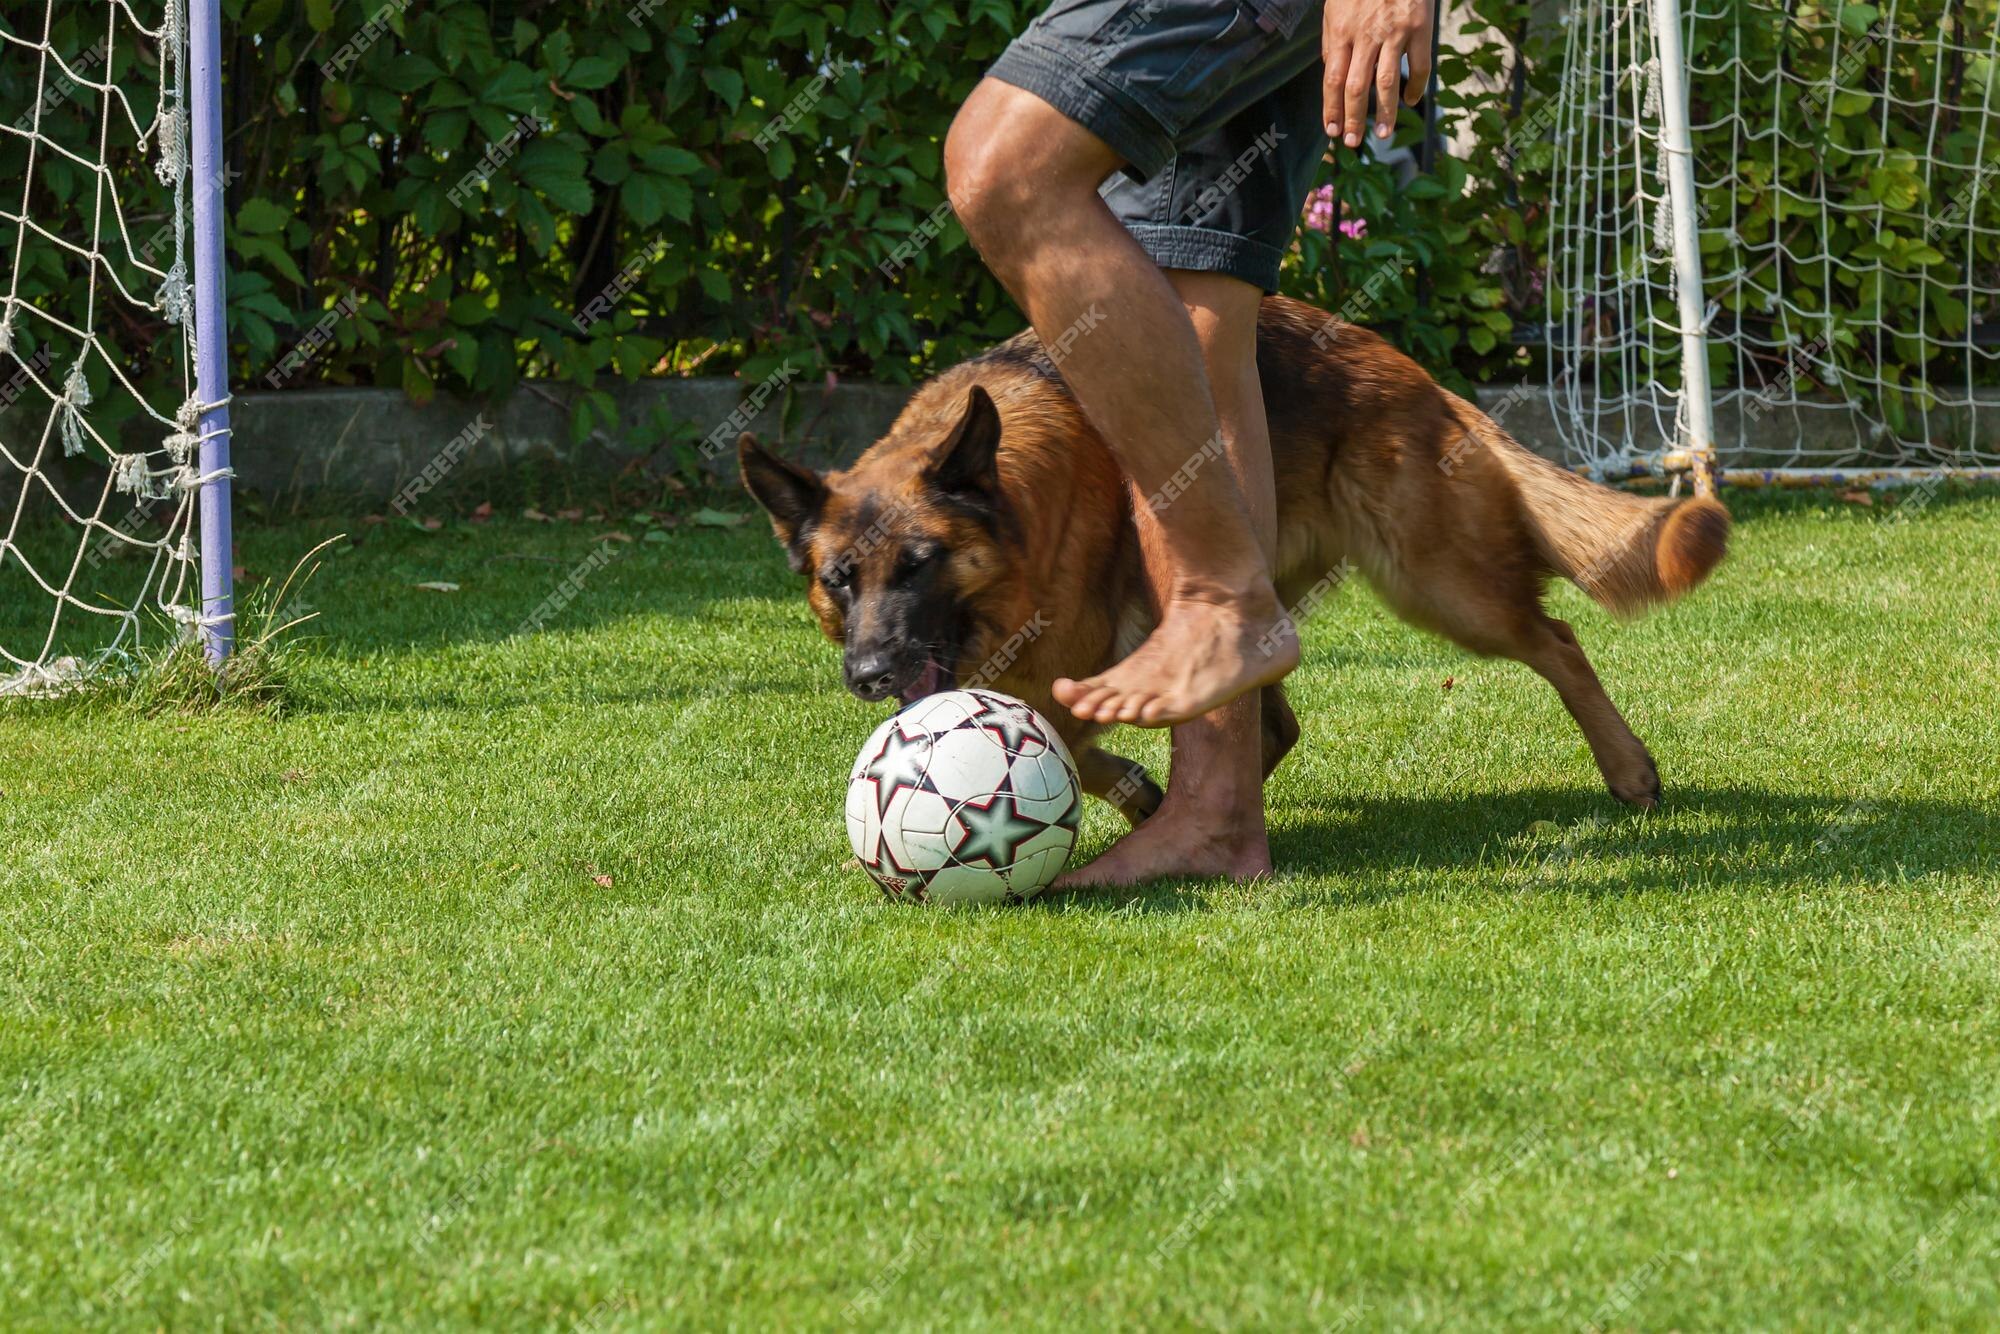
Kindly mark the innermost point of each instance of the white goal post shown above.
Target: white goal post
(114, 431)
(1774, 239)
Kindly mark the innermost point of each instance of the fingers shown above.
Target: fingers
(1356, 64)
(1360, 74)
(1333, 88)
(1388, 90)
(1420, 64)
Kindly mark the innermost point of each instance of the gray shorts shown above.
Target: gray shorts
(1214, 105)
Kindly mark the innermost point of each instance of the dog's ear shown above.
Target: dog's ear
(790, 493)
(967, 463)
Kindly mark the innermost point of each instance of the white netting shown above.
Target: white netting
(99, 424)
(1847, 170)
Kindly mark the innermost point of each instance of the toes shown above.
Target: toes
(1068, 692)
(1128, 708)
(1094, 874)
(1090, 702)
(1079, 697)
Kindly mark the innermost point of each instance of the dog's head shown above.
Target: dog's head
(908, 553)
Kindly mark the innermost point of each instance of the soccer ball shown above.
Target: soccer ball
(966, 796)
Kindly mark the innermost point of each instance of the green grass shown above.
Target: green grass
(515, 980)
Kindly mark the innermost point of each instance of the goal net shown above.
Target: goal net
(1845, 220)
(100, 423)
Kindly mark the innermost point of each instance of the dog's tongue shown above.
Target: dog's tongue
(929, 683)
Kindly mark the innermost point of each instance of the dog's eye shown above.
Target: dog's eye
(836, 577)
(915, 558)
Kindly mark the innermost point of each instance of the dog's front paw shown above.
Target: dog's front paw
(1145, 799)
(1639, 784)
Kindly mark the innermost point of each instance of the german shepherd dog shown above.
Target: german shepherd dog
(989, 539)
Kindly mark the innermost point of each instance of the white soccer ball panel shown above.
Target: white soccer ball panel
(861, 804)
(1037, 870)
(918, 831)
(1040, 776)
(1069, 772)
(940, 712)
(921, 812)
(863, 839)
(925, 852)
(1061, 751)
(967, 761)
(967, 884)
(1049, 810)
(1029, 748)
(1056, 838)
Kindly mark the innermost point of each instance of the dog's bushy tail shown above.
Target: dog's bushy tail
(1628, 552)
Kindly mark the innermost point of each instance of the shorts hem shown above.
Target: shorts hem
(1207, 251)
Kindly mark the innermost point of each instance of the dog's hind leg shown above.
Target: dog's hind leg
(1550, 648)
(1504, 618)
(1126, 785)
(1281, 727)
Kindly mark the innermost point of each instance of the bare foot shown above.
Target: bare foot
(1205, 652)
(1177, 845)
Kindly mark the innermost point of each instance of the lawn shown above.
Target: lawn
(515, 980)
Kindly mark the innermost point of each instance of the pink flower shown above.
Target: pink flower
(1319, 209)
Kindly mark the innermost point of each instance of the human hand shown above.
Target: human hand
(1364, 42)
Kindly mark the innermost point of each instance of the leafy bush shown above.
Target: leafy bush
(465, 193)
(787, 153)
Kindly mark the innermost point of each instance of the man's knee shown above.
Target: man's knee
(1009, 157)
(982, 172)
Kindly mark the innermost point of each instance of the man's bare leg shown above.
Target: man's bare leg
(1023, 179)
(1212, 821)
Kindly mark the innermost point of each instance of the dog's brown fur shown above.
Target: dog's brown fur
(1455, 523)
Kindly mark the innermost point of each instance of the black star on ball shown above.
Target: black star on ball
(899, 764)
(1014, 731)
(1003, 719)
(994, 832)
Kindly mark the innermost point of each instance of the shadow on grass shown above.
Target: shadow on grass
(374, 612)
(507, 568)
(1568, 841)
(342, 692)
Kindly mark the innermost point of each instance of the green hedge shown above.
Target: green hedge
(759, 185)
(787, 154)
(764, 178)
